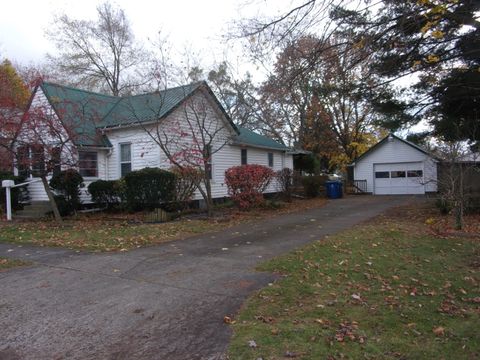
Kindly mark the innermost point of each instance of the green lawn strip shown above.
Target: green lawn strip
(376, 292)
(100, 236)
(6, 263)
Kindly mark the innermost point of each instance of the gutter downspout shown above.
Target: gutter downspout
(109, 153)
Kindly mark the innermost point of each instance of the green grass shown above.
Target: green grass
(6, 263)
(120, 232)
(103, 235)
(385, 291)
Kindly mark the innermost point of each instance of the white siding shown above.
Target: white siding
(147, 153)
(37, 192)
(394, 152)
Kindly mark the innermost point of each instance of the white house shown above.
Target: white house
(113, 135)
(396, 166)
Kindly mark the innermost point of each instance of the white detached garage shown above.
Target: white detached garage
(395, 166)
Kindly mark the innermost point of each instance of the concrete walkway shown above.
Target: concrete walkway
(162, 302)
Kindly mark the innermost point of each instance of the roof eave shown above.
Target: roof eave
(238, 143)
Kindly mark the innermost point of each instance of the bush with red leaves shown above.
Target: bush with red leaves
(246, 184)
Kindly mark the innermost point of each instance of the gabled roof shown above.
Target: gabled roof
(250, 138)
(79, 110)
(88, 113)
(147, 107)
(385, 139)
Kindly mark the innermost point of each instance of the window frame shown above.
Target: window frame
(419, 174)
(243, 156)
(122, 162)
(23, 161)
(81, 170)
(56, 160)
(397, 173)
(382, 172)
(37, 159)
(271, 158)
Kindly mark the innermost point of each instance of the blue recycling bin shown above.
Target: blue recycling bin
(334, 189)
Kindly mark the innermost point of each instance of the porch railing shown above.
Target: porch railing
(357, 186)
(9, 185)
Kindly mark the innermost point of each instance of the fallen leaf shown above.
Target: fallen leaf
(439, 331)
(228, 320)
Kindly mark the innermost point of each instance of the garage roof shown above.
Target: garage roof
(377, 145)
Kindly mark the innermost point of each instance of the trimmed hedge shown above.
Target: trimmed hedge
(149, 188)
(108, 193)
(246, 184)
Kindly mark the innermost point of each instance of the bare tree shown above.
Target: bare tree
(100, 55)
(238, 95)
(458, 177)
(189, 140)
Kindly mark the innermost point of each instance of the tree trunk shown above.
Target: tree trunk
(208, 188)
(460, 201)
(459, 217)
(51, 198)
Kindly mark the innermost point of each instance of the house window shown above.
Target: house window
(23, 161)
(87, 163)
(37, 156)
(414, 173)
(398, 174)
(207, 153)
(270, 159)
(55, 160)
(125, 159)
(382, 175)
(244, 156)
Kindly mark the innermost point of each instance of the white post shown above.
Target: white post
(7, 184)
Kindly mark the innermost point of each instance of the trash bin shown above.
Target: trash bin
(334, 189)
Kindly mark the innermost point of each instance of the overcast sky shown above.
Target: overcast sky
(197, 24)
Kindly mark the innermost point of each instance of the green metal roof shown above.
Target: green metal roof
(147, 107)
(248, 137)
(79, 110)
(87, 113)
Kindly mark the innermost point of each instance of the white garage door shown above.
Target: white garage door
(401, 178)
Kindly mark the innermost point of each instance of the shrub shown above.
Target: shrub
(285, 181)
(18, 194)
(313, 185)
(246, 184)
(106, 193)
(148, 188)
(308, 163)
(64, 206)
(186, 180)
(67, 184)
(443, 205)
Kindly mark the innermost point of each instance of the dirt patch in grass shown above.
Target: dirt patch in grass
(6, 263)
(123, 231)
(388, 289)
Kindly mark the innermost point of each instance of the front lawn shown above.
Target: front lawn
(120, 232)
(390, 289)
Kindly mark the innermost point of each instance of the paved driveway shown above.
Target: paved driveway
(162, 302)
